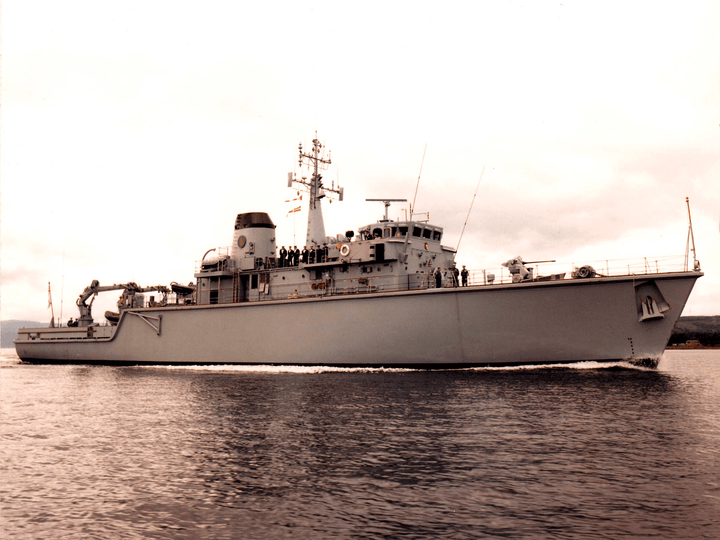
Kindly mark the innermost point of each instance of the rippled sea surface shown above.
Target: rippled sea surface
(563, 452)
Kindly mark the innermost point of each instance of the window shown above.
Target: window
(403, 231)
(386, 232)
(427, 233)
(254, 281)
(417, 231)
(436, 235)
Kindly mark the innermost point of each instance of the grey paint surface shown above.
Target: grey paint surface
(530, 322)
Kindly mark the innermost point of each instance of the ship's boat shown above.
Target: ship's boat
(389, 295)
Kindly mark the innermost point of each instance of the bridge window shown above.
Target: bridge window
(427, 233)
(437, 235)
(386, 232)
(403, 231)
(417, 231)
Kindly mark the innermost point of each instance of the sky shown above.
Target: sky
(133, 133)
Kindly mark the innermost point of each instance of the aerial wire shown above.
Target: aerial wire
(471, 205)
(62, 290)
(418, 183)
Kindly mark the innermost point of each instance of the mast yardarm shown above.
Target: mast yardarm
(316, 161)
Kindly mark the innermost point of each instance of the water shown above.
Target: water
(566, 452)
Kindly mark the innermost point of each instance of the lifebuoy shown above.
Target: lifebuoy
(345, 250)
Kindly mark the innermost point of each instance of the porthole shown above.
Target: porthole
(241, 241)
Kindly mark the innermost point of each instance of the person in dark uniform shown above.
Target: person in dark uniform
(319, 254)
(283, 256)
(325, 250)
(311, 254)
(304, 254)
(455, 275)
(438, 278)
(296, 256)
(464, 275)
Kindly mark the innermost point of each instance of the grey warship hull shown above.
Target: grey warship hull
(536, 322)
(386, 296)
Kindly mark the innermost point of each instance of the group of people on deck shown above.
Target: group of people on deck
(294, 256)
(454, 275)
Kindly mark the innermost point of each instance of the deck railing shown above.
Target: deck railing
(388, 282)
(605, 267)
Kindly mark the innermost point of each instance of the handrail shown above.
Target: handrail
(390, 282)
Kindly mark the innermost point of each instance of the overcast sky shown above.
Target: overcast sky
(134, 132)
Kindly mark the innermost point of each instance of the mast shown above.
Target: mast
(316, 161)
(691, 236)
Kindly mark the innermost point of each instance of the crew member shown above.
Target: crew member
(464, 275)
(438, 277)
(455, 274)
(296, 256)
(304, 254)
(283, 256)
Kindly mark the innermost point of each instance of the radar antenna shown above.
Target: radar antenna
(386, 202)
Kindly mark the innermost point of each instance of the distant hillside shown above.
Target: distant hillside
(705, 330)
(10, 328)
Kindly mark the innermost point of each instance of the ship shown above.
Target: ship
(386, 295)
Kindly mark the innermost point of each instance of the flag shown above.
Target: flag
(294, 210)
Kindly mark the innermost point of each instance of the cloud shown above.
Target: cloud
(133, 155)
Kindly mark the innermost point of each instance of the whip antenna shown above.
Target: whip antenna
(418, 182)
(471, 205)
(691, 236)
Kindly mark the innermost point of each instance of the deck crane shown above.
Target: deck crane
(126, 300)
